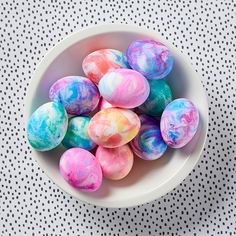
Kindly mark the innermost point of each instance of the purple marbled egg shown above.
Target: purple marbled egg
(148, 144)
(77, 94)
(150, 58)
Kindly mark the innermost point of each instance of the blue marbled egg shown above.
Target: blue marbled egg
(77, 133)
(47, 126)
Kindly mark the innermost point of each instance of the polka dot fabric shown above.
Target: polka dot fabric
(205, 202)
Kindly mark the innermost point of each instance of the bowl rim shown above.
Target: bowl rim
(90, 31)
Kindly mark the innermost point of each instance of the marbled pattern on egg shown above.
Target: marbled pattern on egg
(179, 122)
(148, 144)
(151, 58)
(113, 127)
(47, 126)
(98, 63)
(160, 96)
(124, 88)
(116, 163)
(77, 94)
(103, 104)
(77, 133)
(81, 169)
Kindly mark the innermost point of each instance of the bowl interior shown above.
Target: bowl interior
(147, 180)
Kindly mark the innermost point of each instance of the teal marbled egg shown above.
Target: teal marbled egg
(160, 96)
(47, 126)
(77, 133)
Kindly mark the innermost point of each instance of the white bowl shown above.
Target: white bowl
(148, 180)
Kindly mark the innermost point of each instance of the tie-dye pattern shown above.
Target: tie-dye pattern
(77, 94)
(148, 144)
(47, 126)
(160, 96)
(98, 63)
(151, 58)
(179, 122)
(124, 88)
(81, 169)
(113, 127)
(77, 133)
(116, 163)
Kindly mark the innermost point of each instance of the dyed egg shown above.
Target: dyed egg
(160, 96)
(98, 63)
(113, 127)
(148, 144)
(179, 122)
(116, 163)
(81, 169)
(77, 94)
(103, 104)
(77, 133)
(151, 58)
(47, 126)
(124, 88)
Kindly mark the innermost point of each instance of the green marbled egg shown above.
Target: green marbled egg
(159, 97)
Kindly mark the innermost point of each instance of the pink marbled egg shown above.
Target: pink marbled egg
(98, 63)
(124, 88)
(179, 122)
(116, 163)
(103, 104)
(81, 169)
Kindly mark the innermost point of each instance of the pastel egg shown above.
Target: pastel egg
(77, 133)
(179, 122)
(151, 58)
(98, 63)
(124, 88)
(160, 96)
(103, 104)
(148, 144)
(113, 127)
(77, 94)
(47, 126)
(81, 169)
(116, 163)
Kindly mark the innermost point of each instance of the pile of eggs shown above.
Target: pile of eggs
(124, 106)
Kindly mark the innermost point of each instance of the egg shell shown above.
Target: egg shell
(98, 63)
(77, 94)
(160, 96)
(47, 126)
(77, 133)
(148, 144)
(81, 169)
(179, 122)
(103, 104)
(124, 88)
(116, 163)
(113, 127)
(151, 58)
